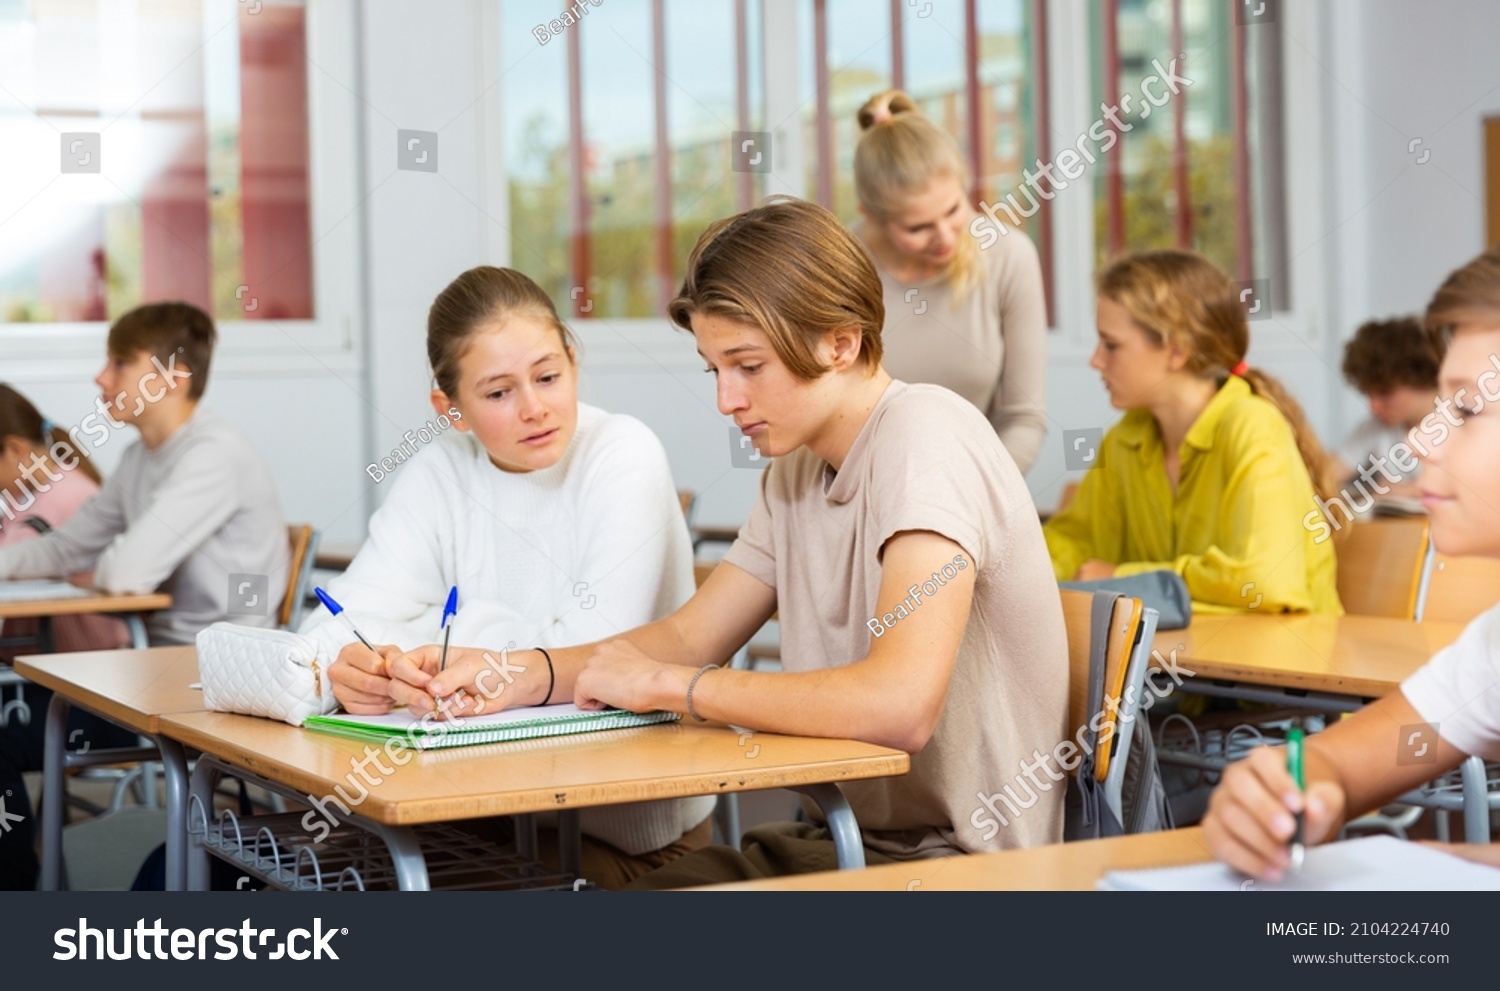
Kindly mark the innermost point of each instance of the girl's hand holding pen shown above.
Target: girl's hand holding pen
(361, 678)
(476, 680)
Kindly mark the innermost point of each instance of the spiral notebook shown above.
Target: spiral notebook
(495, 727)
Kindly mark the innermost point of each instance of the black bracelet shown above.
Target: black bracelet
(551, 675)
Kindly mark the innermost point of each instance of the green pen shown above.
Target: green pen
(1295, 769)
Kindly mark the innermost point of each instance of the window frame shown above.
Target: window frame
(332, 339)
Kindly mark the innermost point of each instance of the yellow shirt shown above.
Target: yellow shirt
(1234, 529)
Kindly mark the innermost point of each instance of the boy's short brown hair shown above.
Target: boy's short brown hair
(167, 330)
(1386, 354)
(1470, 294)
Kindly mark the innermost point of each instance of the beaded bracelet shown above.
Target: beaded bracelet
(693, 684)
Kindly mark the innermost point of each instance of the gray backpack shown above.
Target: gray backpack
(1143, 796)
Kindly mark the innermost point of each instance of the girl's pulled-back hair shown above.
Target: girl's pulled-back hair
(899, 154)
(479, 297)
(19, 418)
(1181, 299)
(790, 268)
(1470, 294)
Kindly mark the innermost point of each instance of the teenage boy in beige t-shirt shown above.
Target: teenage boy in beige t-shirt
(893, 508)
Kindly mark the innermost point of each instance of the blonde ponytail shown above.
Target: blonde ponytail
(900, 152)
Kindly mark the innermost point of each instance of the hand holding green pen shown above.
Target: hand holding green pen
(1294, 767)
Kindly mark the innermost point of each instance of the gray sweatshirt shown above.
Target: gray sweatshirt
(180, 519)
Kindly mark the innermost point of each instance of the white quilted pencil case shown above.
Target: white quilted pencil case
(261, 672)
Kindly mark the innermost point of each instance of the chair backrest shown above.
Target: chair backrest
(1380, 566)
(1456, 589)
(1124, 630)
(299, 575)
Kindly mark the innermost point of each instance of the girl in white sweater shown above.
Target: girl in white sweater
(557, 521)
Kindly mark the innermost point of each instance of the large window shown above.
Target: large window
(618, 134)
(1201, 169)
(154, 151)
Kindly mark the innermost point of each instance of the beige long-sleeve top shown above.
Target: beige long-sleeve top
(990, 348)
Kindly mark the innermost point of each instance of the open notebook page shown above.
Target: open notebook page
(1371, 863)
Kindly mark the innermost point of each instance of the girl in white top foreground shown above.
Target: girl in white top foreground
(557, 521)
(1353, 766)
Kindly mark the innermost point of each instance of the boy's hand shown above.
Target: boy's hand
(361, 678)
(619, 674)
(1093, 570)
(1249, 824)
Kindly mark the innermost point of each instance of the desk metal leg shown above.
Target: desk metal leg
(174, 761)
(54, 763)
(407, 859)
(195, 855)
(525, 826)
(1476, 802)
(570, 842)
(846, 837)
(137, 627)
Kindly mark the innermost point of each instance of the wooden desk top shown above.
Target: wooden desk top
(130, 687)
(605, 768)
(1364, 656)
(1059, 867)
(95, 602)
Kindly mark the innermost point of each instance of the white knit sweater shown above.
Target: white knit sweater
(582, 551)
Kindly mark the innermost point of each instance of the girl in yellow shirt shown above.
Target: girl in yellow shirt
(1213, 468)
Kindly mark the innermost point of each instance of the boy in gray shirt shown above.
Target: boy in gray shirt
(191, 504)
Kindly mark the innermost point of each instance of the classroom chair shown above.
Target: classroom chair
(299, 575)
(1127, 655)
(1380, 566)
(1457, 589)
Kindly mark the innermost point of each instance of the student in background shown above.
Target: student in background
(970, 320)
(191, 504)
(192, 501)
(895, 536)
(1354, 765)
(1391, 363)
(557, 521)
(1213, 467)
(44, 480)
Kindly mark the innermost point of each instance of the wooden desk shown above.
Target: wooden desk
(134, 688)
(561, 774)
(1353, 656)
(1058, 867)
(128, 607)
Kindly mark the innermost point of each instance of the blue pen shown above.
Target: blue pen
(449, 611)
(338, 611)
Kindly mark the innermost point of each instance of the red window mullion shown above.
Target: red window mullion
(665, 290)
(745, 191)
(824, 122)
(1246, 239)
(974, 118)
(1180, 146)
(898, 46)
(1042, 112)
(1114, 176)
(579, 237)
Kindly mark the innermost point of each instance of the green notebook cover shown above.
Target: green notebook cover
(498, 727)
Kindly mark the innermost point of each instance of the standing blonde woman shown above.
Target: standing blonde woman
(971, 320)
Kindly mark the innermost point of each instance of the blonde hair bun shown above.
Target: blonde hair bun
(884, 106)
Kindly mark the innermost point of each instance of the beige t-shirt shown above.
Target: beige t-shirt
(991, 348)
(926, 460)
(1458, 691)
